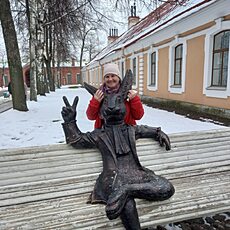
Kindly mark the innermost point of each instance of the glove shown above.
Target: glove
(163, 139)
(69, 111)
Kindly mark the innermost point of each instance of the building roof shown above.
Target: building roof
(162, 17)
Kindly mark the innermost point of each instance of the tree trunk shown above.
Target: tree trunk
(47, 88)
(13, 56)
(48, 66)
(40, 45)
(49, 74)
(81, 58)
(32, 31)
(58, 74)
(48, 57)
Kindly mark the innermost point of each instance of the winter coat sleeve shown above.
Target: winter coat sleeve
(93, 109)
(136, 108)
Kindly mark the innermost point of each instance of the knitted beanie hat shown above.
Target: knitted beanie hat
(111, 68)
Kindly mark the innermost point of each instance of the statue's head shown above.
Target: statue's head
(112, 108)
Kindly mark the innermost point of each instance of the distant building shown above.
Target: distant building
(4, 77)
(178, 53)
(68, 73)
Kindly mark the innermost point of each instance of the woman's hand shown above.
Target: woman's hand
(99, 95)
(131, 94)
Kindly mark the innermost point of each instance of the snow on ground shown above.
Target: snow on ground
(41, 125)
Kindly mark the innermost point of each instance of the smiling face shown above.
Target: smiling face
(113, 108)
(111, 81)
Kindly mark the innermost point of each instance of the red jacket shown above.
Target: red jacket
(134, 111)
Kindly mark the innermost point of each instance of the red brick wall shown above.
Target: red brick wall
(68, 75)
(6, 73)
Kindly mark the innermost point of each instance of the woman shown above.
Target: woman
(112, 82)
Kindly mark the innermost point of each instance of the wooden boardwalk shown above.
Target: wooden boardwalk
(47, 187)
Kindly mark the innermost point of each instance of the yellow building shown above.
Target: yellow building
(179, 54)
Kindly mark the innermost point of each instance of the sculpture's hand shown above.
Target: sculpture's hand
(163, 140)
(69, 111)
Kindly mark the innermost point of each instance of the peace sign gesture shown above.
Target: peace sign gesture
(69, 111)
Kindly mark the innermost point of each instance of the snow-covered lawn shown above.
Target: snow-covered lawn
(41, 125)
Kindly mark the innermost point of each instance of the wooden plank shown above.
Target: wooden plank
(87, 157)
(86, 213)
(190, 136)
(78, 189)
(200, 183)
(165, 158)
(39, 191)
(184, 186)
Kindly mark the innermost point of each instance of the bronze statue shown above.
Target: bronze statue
(123, 177)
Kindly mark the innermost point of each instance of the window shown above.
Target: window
(216, 81)
(152, 74)
(5, 80)
(79, 77)
(178, 64)
(220, 59)
(69, 78)
(153, 69)
(134, 70)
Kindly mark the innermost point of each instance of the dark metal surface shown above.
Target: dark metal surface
(123, 177)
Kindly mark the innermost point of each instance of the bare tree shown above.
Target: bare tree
(31, 15)
(93, 44)
(13, 56)
(62, 22)
(40, 17)
(55, 26)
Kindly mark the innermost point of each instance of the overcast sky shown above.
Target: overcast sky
(121, 17)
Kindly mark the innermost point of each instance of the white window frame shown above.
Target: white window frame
(100, 75)
(97, 77)
(208, 90)
(152, 87)
(86, 76)
(171, 87)
(120, 64)
(91, 76)
(137, 68)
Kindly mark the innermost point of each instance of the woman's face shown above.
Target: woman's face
(111, 80)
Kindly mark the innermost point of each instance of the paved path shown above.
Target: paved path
(2, 92)
(6, 105)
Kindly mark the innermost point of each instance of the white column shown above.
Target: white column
(141, 74)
